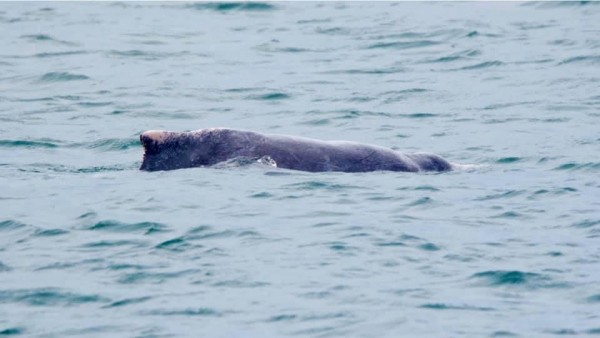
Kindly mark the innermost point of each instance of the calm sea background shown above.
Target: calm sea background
(92, 247)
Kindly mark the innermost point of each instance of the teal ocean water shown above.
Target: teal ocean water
(92, 247)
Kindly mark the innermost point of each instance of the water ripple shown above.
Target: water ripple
(482, 65)
(146, 55)
(47, 296)
(588, 223)
(62, 76)
(443, 306)
(154, 277)
(10, 225)
(588, 59)
(12, 331)
(111, 144)
(233, 6)
(4, 267)
(507, 194)
(320, 185)
(178, 244)
(510, 159)
(59, 54)
(403, 44)
(367, 71)
(188, 312)
(116, 226)
(467, 54)
(579, 166)
(516, 278)
(28, 144)
(127, 301)
(274, 96)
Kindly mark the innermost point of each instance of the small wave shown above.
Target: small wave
(420, 188)
(421, 202)
(62, 76)
(155, 277)
(44, 38)
(313, 21)
(271, 49)
(262, 194)
(320, 185)
(38, 37)
(177, 244)
(462, 55)
(406, 91)
(233, 6)
(4, 267)
(403, 44)
(509, 215)
(59, 54)
(127, 301)
(10, 224)
(92, 170)
(47, 296)
(110, 243)
(332, 31)
(245, 161)
(482, 65)
(12, 331)
(47, 167)
(503, 334)
(390, 244)
(578, 166)
(94, 104)
(445, 33)
(368, 71)
(508, 194)
(508, 105)
(515, 278)
(116, 226)
(282, 318)
(50, 232)
(588, 223)
(420, 115)
(316, 122)
(267, 160)
(145, 55)
(429, 247)
(274, 96)
(560, 4)
(185, 312)
(202, 233)
(559, 191)
(27, 144)
(588, 59)
(593, 298)
(112, 144)
(443, 306)
(242, 89)
(506, 160)
(239, 284)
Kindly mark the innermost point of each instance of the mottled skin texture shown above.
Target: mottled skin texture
(165, 150)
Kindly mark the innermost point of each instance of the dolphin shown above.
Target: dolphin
(168, 150)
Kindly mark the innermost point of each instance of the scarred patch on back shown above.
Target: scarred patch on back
(151, 139)
(155, 135)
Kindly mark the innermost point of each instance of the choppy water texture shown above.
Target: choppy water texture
(91, 247)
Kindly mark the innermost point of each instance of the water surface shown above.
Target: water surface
(92, 247)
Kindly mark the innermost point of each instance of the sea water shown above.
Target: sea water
(92, 247)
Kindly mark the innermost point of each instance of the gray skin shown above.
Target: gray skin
(165, 150)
